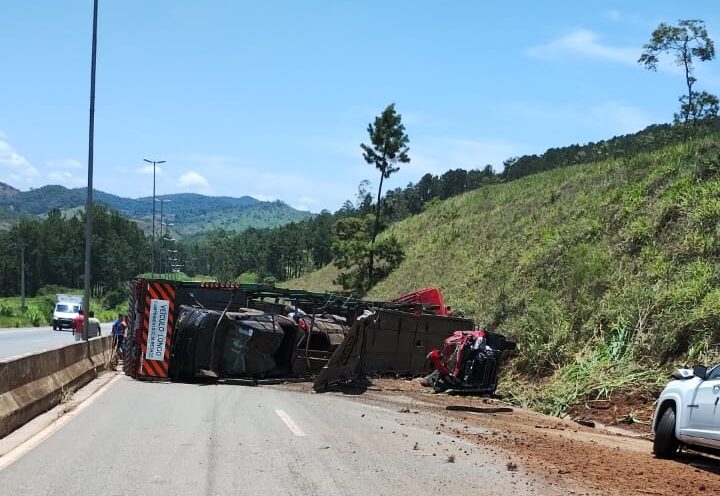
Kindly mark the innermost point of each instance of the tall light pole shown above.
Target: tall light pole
(154, 162)
(162, 243)
(89, 200)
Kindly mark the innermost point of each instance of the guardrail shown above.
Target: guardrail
(32, 384)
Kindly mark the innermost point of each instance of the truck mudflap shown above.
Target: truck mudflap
(387, 341)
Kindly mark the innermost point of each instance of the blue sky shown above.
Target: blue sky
(273, 98)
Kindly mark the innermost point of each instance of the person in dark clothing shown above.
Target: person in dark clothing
(118, 332)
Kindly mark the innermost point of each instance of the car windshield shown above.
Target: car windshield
(64, 307)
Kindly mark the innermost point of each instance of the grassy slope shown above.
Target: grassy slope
(603, 272)
(320, 280)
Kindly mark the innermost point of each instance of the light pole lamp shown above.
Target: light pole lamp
(155, 163)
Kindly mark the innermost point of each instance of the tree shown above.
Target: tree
(388, 148)
(363, 197)
(351, 248)
(688, 41)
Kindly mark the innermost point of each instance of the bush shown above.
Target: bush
(35, 315)
(5, 310)
(115, 298)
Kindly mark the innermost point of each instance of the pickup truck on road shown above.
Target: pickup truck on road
(688, 412)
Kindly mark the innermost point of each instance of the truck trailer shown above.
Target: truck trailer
(208, 331)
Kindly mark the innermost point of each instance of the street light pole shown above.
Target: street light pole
(154, 162)
(89, 199)
(162, 242)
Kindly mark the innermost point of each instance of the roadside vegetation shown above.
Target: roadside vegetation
(38, 309)
(606, 273)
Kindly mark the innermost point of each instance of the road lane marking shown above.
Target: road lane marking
(48, 431)
(290, 423)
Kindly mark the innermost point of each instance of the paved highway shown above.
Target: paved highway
(21, 341)
(182, 439)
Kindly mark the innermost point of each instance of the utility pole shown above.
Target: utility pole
(22, 276)
(154, 162)
(89, 201)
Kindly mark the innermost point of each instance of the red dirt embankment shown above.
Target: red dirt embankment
(602, 460)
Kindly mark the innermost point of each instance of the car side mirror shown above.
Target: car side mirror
(700, 371)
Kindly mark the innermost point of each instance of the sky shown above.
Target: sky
(273, 98)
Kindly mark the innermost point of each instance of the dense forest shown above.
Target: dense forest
(52, 250)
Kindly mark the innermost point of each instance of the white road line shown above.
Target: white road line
(290, 423)
(41, 436)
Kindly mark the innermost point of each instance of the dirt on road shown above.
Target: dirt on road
(604, 460)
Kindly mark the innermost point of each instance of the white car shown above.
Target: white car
(688, 412)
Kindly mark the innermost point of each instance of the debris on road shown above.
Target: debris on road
(477, 409)
(468, 363)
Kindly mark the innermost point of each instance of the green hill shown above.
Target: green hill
(190, 213)
(605, 273)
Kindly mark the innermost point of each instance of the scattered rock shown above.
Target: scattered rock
(585, 422)
(511, 466)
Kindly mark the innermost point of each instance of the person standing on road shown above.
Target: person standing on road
(93, 326)
(118, 332)
(78, 323)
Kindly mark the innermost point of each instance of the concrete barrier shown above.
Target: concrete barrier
(33, 384)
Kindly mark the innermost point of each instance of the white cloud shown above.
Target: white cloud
(583, 43)
(304, 203)
(263, 198)
(67, 179)
(68, 163)
(194, 181)
(262, 183)
(15, 169)
(147, 170)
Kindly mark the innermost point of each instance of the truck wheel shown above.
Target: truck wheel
(665, 444)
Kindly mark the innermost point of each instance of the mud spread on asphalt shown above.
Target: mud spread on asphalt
(560, 450)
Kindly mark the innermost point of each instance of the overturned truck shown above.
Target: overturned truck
(192, 331)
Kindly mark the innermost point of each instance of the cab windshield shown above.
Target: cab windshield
(62, 307)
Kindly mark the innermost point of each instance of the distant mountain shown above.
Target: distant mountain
(7, 191)
(189, 213)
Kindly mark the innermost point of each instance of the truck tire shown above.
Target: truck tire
(665, 444)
